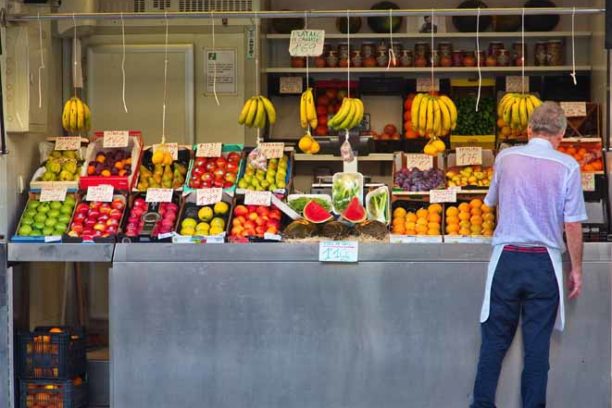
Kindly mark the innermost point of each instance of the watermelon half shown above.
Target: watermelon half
(355, 212)
(315, 213)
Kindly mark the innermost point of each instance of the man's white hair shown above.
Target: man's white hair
(548, 120)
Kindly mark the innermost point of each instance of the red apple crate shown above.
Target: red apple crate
(149, 218)
(225, 151)
(123, 183)
(70, 393)
(111, 239)
(189, 208)
(185, 156)
(44, 354)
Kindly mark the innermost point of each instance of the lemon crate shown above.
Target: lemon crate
(190, 209)
(53, 393)
(51, 353)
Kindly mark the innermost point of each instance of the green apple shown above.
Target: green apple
(40, 218)
(33, 205)
(64, 219)
(61, 227)
(53, 214)
(43, 208)
(50, 222)
(66, 209)
(47, 231)
(70, 201)
(27, 221)
(38, 225)
(29, 213)
(36, 233)
(25, 230)
(55, 205)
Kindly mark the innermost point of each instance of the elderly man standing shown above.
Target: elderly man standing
(538, 193)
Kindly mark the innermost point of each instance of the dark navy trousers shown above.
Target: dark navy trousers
(524, 286)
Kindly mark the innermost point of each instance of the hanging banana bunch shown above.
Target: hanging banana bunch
(515, 109)
(349, 115)
(76, 117)
(256, 112)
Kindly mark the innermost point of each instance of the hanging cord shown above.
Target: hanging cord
(42, 62)
(431, 52)
(308, 129)
(478, 59)
(123, 63)
(74, 55)
(212, 20)
(392, 57)
(523, 51)
(163, 141)
(348, 65)
(573, 74)
(257, 56)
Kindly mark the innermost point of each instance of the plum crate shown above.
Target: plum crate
(51, 355)
(53, 393)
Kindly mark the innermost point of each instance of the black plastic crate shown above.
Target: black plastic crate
(53, 393)
(42, 354)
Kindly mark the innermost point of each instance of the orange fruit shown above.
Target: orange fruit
(486, 209)
(411, 217)
(465, 224)
(588, 167)
(597, 165)
(421, 221)
(452, 211)
(476, 220)
(488, 217)
(398, 221)
(464, 207)
(571, 150)
(464, 231)
(422, 213)
(433, 232)
(476, 203)
(453, 233)
(410, 225)
(433, 225)
(488, 225)
(475, 211)
(399, 212)
(433, 217)
(487, 233)
(435, 208)
(452, 220)
(476, 229)
(421, 229)
(464, 216)
(452, 228)
(410, 232)
(399, 229)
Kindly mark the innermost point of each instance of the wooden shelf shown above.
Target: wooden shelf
(302, 157)
(426, 193)
(514, 34)
(427, 70)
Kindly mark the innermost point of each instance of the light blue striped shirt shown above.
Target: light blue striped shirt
(536, 189)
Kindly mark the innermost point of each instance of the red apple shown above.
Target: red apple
(221, 163)
(219, 173)
(112, 223)
(140, 202)
(260, 222)
(93, 214)
(115, 214)
(95, 205)
(105, 208)
(172, 207)
(195, 183)
(111, 229)
(118, 204)
(272, 230)
(233, 157)
(206, 184)
(99, 227)
(170, 216)
(232, 167)
(218, 183)
(260, 231)
(228, 184)
(82, 208)
(249, 225)
(210, 166)
(207, 176)
(79, 217)
(98, 233)
(198, 171)
(262, 210)
(77, 228)
(200, 162)
(230, 178)
(137, 211)
(240, 210)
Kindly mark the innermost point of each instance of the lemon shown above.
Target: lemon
(188, 223)
(205, 214)
(439, 145)
(315, 148)
(221, 208)
(216, 231)
(305, 143)
(203, 226)
(430, 149)
(217, 222)
(187, 231)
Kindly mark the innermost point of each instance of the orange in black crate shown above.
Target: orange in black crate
(70, 393)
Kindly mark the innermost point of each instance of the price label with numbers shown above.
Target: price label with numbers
(172, 148)
(420, 161)
(515, 84)
(116, 138)
(306, 43)
(102, 193)
(588, 181)
(272, 150)
(258, 198)
(574, 109)
(339, 251)
(209, 150)
(209, 196)
(424, 84)
(159, 195)
(443, 196)
(52, 194)
(68, 143)
(468, 156)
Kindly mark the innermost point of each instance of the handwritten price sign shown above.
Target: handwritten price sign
(588, 181)
(306, 43)
(159, 195)
(515, 84)
(339, 251)
(68, 143)
(424, 84)
(574, 109)
(468, 156)
(258, 198)
(272, 150)
(420, 161)
(52, 194)
(116, 138)
(209, 150)
(443, 196)
(209, 196)
(171, 148)
(102, 193)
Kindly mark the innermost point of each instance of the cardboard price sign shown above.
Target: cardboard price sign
(68, 143)
(209, 196)
(306, 43)
(171, 148)
(574, 109)
(515, 84)
(467, 156)
(424, 84)
(272, 150)
(420, 161)
(102, 193)
(443, 196)
(52, 194)
(209, 150)
(588, 181)
(291, 85)
(159, 195)
(115, 138)
(339, 251)
(263, 198)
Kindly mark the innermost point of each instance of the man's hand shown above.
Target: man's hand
(575, 283)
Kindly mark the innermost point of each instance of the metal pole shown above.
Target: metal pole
(300, 14)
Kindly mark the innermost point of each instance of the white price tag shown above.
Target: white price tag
(67, 143)
(102, 193)
(588, 181)
(339, 251)
(53, 238)
(209, 196)
(272, 150)
(467, 156)
(290, 85)
(166, 235)
(116, 138)
(215, 239)
(52, 194)
(416, 239)
(285, 208)
(263, 198)
(424, 84)
(209, 150)
(172, 148)
(272, 237)
(420, 161)
(443, 196)
(159, 195)
(574, 109)
(306, 43)
(515, 84)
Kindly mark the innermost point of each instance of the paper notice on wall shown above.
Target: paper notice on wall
(515, 84)
(306, 43)
(574, 109)
(223, 63)
(424, 84)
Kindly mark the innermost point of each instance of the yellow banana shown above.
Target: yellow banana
(303, 114)
(252, 111)
(270, 110)
(500, 106)
(430, 116)
(446, 119)
(350, 116)
(80, 116)
(73, 115)
(516, 117)
(414, 111)
(359, 115)
(311, 111)
(260, 116)
(535, 101)
(508, 114)
(244, 112)
(66, 115)
(341, 115)
(423, 114)
(529, 106)
(437, 121)
(451, 108)
(87, 117)
(523, 113)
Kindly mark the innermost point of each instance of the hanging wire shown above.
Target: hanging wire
(308, 128)
(433, 87)
(478, 59)
(573, 74)
(348, 65)
(74, 55)
(392, 58)
(163, 141)
(42, 62)
(212, 22)
(123, 63)
(257, 78)
(523, 51)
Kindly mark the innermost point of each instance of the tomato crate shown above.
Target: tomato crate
(51, 353)
(53, 393)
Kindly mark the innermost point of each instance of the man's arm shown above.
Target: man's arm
(573, 233)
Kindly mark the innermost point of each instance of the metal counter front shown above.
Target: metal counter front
(267, 326)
